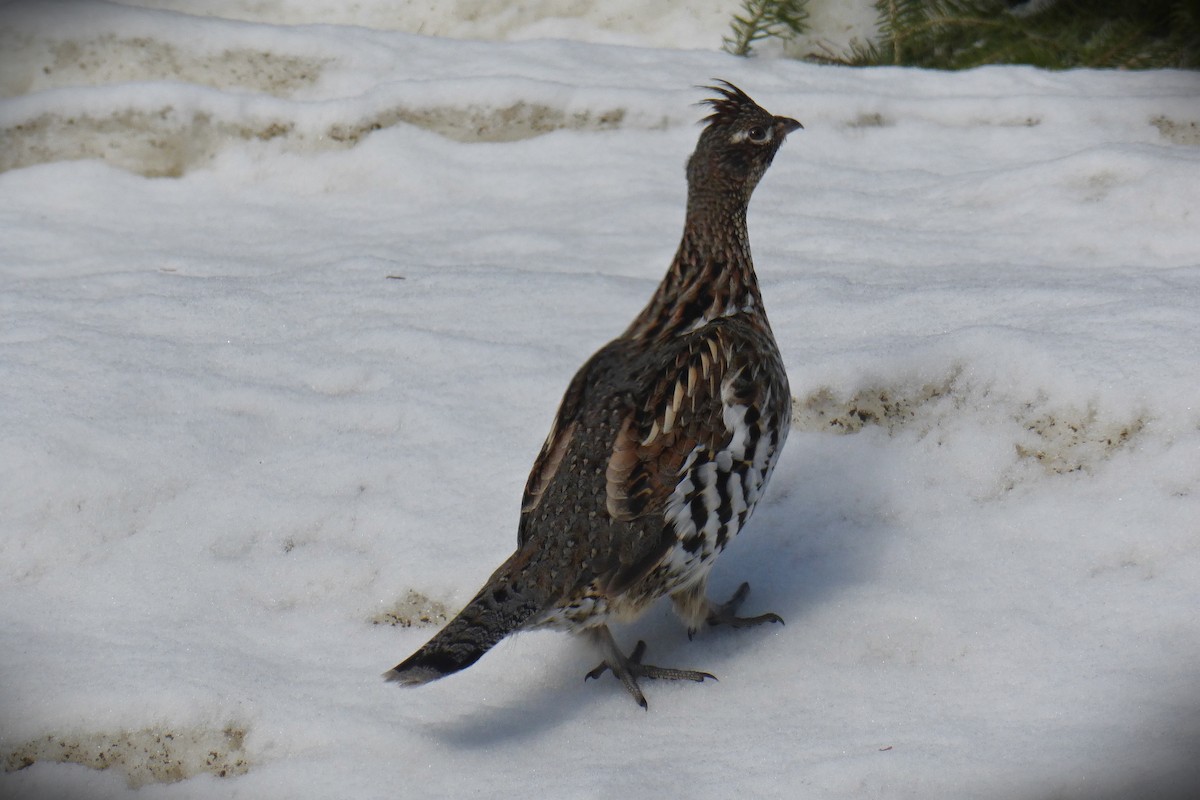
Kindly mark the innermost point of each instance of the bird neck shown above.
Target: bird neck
(712, 274)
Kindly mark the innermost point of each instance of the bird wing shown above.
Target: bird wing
(667, 441)
(668, 420)
(672, 409)
(601, 381)
(562, 432)
(679, 410)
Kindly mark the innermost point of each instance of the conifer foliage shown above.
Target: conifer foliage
(960, 34)
(760, 19)
(1055, 34)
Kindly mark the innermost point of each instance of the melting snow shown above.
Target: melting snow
(287, 309)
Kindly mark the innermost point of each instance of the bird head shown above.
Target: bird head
(739, 142)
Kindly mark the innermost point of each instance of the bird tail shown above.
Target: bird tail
(500, 607)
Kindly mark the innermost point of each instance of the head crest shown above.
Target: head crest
(732, 103)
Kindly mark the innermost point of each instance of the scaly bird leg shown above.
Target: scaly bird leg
(629, 668)
(725, 613)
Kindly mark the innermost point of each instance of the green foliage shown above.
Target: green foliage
(760, 19)
(1055, 34)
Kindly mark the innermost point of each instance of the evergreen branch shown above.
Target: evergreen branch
(760, 19)
(1060, 34)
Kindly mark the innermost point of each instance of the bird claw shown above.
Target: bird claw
(629, 668)
(726, 613)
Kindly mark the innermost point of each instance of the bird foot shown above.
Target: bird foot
(629, 668)
(726, 613)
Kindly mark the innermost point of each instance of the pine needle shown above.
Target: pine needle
(760, 19)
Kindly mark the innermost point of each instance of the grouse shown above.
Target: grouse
(662, 445)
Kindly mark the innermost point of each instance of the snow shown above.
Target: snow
(287, 309)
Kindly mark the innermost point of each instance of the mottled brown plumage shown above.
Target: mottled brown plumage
(662, 445)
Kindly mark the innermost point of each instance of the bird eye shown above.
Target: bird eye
(757, 134)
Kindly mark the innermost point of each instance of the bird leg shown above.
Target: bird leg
(725, 613)
(629, 668)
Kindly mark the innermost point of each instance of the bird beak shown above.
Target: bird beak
(786, 125)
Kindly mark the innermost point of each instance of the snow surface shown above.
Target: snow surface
(285, 313)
